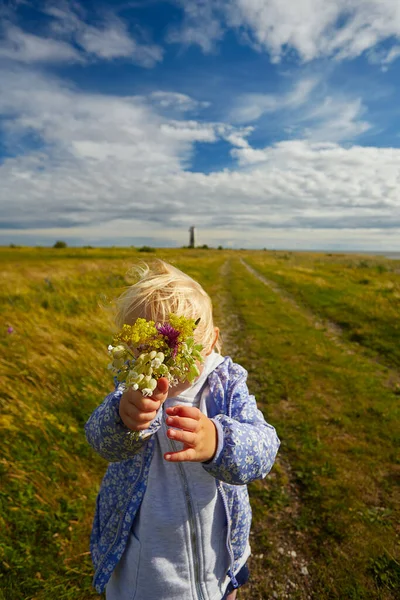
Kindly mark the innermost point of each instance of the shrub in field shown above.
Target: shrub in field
(382, 268)
(146, 249)
(363, 264)
(60, 244)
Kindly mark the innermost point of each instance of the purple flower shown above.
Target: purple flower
(10, 329)
(171, 334)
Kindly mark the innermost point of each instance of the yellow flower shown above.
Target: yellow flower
(142, 332)
(183, 325)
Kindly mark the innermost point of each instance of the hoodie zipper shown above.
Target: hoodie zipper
(192, 525)
(231, 572)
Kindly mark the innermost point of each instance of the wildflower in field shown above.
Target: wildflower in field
(144, 352)
(10, 330)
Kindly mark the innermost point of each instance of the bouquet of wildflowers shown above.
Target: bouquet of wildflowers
(144, 352)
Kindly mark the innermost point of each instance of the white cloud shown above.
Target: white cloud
(176, 102)
(109, 39)
(189, 131)
(237, 137)
(112, 40)
(28, 48)
(306, 111)
(342, 29)
(392, 54)
(335, 119)
(301, 92)
(106, 42)
(201, 26)
(250, 107)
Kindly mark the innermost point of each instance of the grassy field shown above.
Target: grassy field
(319, 335)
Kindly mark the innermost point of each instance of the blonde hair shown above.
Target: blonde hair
(161, 289)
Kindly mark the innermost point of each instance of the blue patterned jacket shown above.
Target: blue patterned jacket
(247, 447)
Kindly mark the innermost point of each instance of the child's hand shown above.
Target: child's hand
(197, 432)
(137, 411)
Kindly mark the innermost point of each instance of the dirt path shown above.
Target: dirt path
(331, 329)
(278, 564)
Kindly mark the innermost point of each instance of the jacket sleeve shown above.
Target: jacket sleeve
(247, 444)
(109, 436)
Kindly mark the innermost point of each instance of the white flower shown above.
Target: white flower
(150, 382)
(118, 363)
(118, 352)
(147, 391)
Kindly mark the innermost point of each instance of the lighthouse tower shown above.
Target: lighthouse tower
(191, 239)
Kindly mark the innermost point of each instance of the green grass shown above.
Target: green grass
(333, 495)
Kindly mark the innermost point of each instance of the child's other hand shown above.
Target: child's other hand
(197, 432)
(137, 411)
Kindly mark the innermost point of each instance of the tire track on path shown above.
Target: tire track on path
(283, 562)
(331, 329)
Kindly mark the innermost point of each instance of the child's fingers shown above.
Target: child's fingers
(187, 437)
(139, 416)
(162, 387)
(134, 425)
(142, 426)
(144, 404)
(188, 454)
(183, 423)
(184, 411)
(135, 398)
(161, 392)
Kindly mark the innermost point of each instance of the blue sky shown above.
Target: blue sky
(264, 123)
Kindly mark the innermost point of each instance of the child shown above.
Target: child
(173, 515)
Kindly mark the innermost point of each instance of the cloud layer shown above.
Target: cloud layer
(94, 158)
